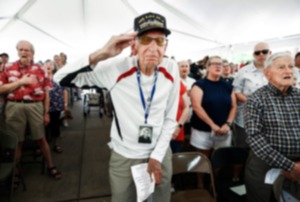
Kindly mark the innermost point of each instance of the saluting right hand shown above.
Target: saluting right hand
(113, 47)
(117, 44)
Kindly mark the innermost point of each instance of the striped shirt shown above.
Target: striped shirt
(272, 123)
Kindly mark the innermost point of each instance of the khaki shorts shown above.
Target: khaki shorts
(18, 115)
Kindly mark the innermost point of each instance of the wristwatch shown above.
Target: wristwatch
(180, 125)
(229, 124)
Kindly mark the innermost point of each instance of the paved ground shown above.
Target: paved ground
(84, 163)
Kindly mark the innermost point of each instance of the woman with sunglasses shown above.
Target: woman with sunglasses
(214, 108)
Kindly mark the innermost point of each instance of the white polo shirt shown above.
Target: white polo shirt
(247, 81)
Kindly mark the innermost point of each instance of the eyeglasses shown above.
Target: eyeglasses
(216, 64)
(146, 40)
(265, 51)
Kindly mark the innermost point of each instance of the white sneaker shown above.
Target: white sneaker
(66, 124)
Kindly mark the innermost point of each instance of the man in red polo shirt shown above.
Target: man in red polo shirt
(27, 87)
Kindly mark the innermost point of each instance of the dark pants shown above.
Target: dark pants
(255, 172)
(54, 125)
(176, 146)
(239, 136)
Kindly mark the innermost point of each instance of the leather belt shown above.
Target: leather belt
(24, 101)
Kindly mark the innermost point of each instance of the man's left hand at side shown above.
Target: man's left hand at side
(295, 172)
(154, 167)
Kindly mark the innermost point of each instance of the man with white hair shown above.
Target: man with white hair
(272, 126)
(184, 70)
(27, 87)
(145, 91)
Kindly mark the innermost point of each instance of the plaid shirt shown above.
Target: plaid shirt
(272, 123)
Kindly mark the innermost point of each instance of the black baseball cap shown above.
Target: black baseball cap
(150, 21)
(4, 54)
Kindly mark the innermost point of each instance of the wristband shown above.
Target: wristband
(229, 124)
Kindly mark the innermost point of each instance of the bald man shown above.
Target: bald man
(184, 71)
(247, 81)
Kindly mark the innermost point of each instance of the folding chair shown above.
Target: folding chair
(193, 162)
(223, 161)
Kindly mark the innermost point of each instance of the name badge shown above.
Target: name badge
(145, 134)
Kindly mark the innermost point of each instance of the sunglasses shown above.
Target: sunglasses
(265, 51)
(146, 40)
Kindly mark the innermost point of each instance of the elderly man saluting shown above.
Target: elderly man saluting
(272, 123)
(145, 91)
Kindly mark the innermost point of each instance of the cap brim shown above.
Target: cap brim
(4, 54)
(165, 31)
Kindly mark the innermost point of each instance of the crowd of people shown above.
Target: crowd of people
(158, 101)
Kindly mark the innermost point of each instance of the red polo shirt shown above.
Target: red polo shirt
(180, 136)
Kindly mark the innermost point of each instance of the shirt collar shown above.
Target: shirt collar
(253, 68)
(275, 91)
(24, 66)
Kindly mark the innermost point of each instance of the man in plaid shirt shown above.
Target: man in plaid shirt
(272, 123)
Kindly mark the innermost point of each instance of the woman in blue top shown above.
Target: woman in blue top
(58, 103)
(214, 109)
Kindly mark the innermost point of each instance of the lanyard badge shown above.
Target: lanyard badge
(146, 108)
(146, 131)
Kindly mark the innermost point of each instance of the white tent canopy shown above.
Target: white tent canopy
(199, 27)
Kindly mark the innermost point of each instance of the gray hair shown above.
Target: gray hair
(181, 61)
(275, 56)
(24, 41)
(48, 60)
